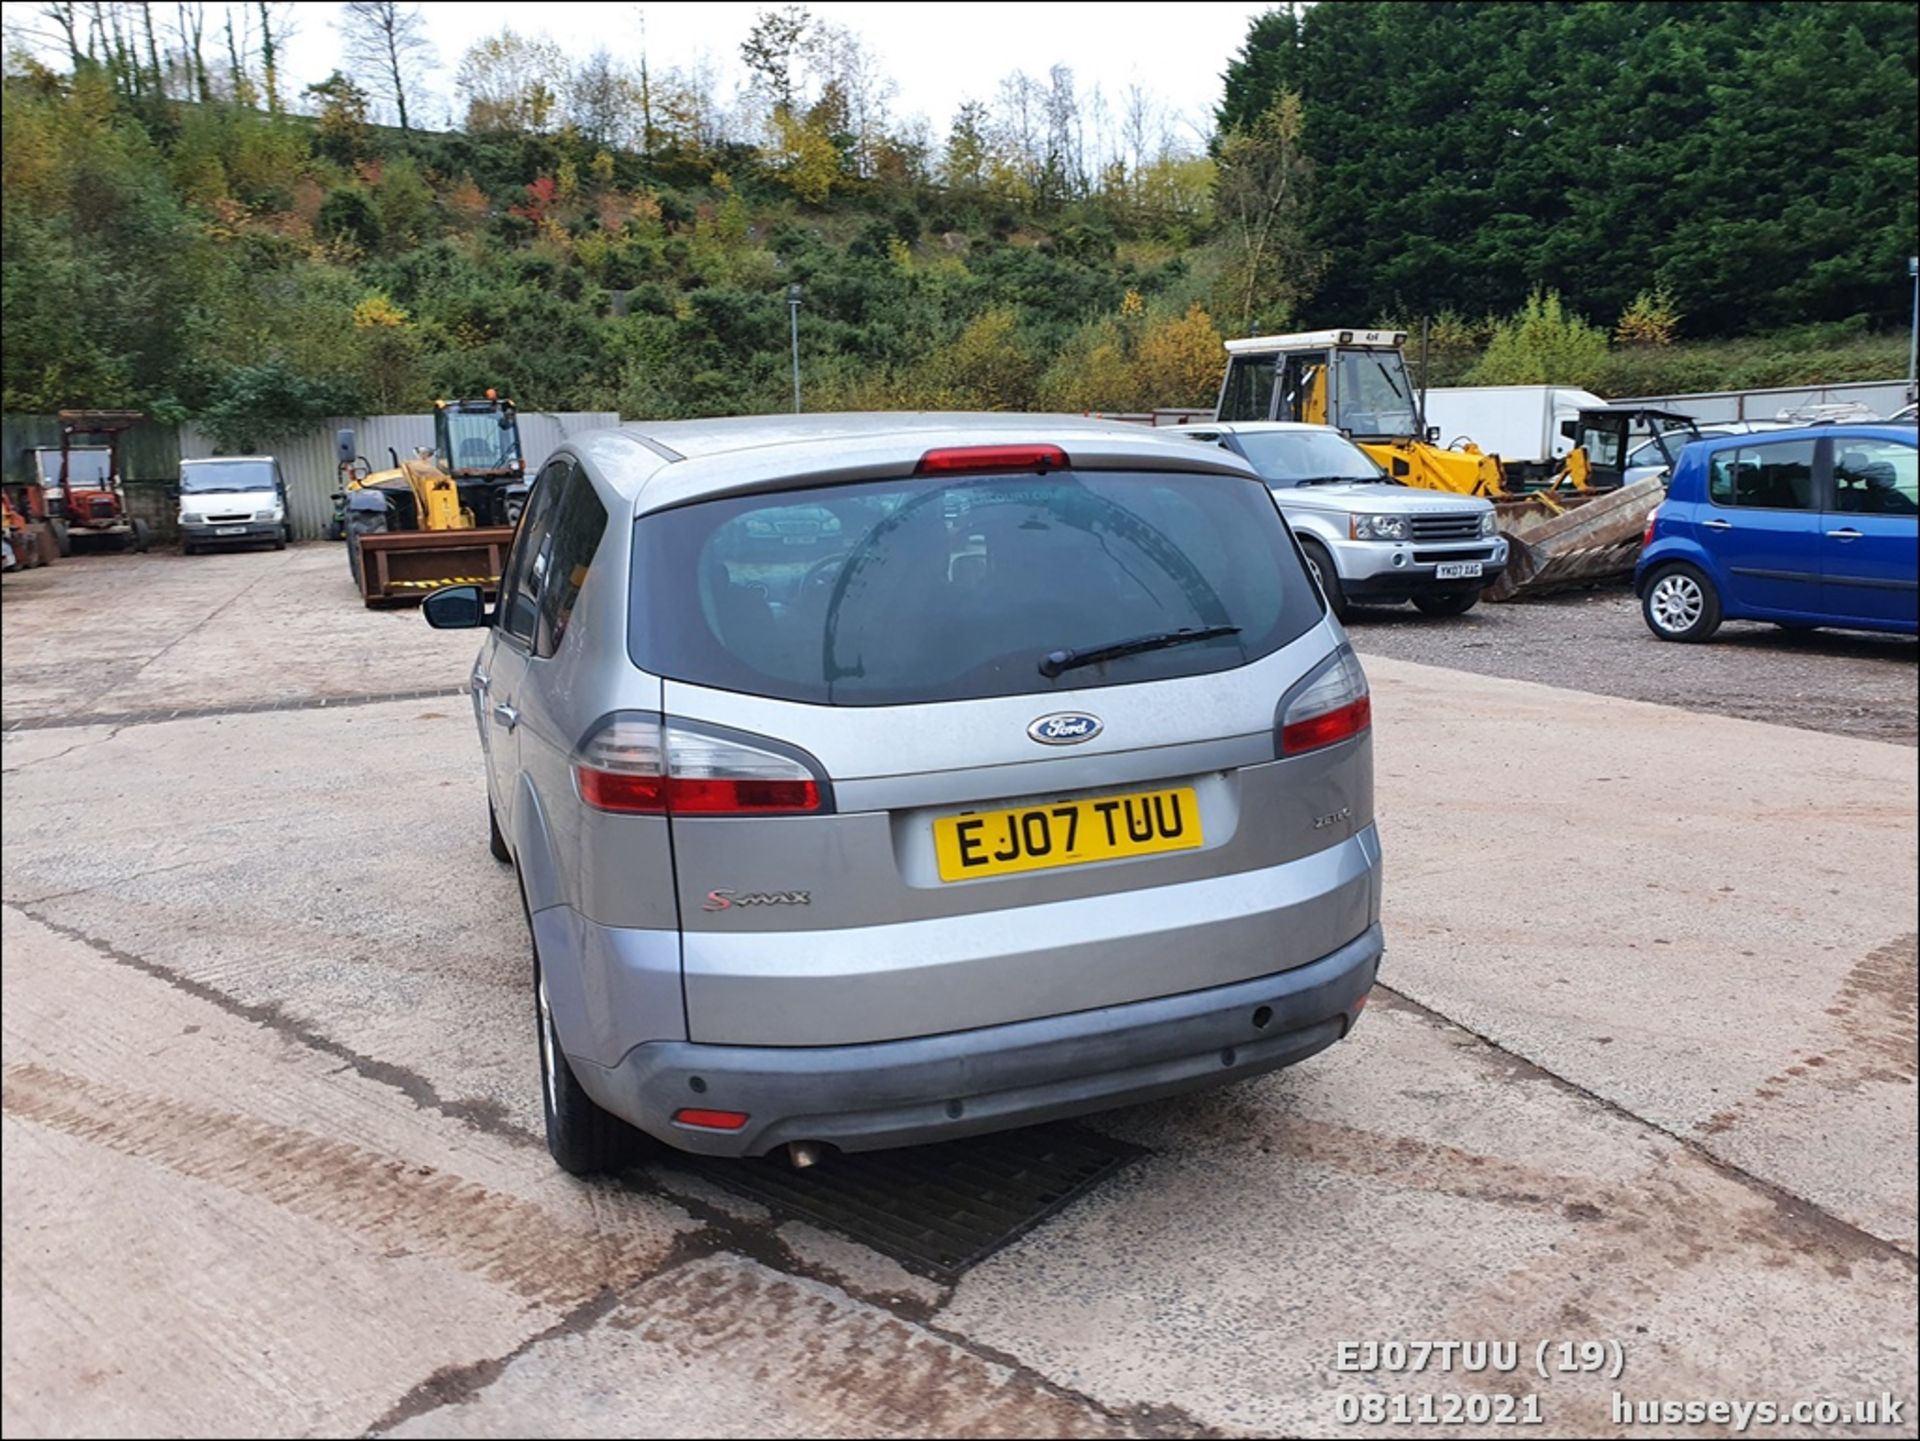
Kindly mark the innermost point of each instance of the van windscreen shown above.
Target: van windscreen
(901, 591)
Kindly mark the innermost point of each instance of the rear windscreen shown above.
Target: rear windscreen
(891, 592)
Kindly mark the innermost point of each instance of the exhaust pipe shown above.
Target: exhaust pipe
(803, 1154)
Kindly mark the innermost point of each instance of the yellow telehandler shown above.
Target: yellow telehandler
(438, 517)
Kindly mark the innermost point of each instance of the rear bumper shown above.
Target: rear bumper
(898, 1093)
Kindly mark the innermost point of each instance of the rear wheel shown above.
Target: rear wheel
(62, 540)
(583, 1139)
(140, 537)
(1458, 603)
(1680, 604)
(1328, 579)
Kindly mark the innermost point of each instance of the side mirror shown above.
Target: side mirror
(455, 607)
(1433, 435)
(343, 446)
(1570, 429)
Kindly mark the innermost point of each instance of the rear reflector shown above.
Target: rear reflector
(986, 459)
(1335, 707)
(711, 1120)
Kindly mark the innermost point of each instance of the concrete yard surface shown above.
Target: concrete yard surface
(1640, 1072)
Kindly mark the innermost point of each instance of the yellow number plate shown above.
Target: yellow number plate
(1067, 833)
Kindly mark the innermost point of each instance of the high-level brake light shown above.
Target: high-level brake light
(988, 459)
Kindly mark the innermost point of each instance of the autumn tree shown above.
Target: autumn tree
(772, 49)
(386, 39)
(508, 81)
(965, 166)
(1262, 202)
(603, 100)
(343, 118)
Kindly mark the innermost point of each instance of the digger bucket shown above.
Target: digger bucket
(400, 567)
(1555, 542)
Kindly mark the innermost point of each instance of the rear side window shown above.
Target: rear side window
(1876, 477)
(520, 581)
(893, 592)
(1763, 477)
(579, 520)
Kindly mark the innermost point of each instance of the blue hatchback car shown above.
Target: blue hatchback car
(1802, 528)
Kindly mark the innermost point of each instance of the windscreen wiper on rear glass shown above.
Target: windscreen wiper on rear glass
(1056, 661)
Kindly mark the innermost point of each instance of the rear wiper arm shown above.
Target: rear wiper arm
(1056, 661)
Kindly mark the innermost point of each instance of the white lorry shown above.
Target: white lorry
(1522, 424)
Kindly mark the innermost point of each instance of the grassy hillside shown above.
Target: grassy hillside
(208, 259)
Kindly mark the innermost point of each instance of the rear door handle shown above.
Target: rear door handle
(1717, 524)
(1847, 534)
(506, 715)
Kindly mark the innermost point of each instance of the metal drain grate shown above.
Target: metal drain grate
(938, 1210)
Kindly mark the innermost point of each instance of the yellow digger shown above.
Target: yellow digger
(438, 517)
(1575, 530)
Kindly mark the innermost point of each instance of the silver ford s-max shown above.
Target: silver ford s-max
(874, 779)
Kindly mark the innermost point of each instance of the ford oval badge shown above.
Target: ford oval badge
(1065, 728)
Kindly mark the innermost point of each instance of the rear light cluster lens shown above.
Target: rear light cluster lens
(1336, 707)
(639, 765)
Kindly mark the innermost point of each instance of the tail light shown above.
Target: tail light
(1336, 706)
(636, 764)
(1646, 536)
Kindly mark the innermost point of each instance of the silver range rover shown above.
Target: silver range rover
(1368, 538)
(875, 779)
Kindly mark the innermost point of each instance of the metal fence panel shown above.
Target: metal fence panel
(307, 457)
(148, 451)
(1882, 397)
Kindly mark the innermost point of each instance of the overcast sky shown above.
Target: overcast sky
(938, 54)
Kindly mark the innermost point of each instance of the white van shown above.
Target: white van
(233, 500)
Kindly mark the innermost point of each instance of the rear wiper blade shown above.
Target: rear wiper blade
(1056, 661)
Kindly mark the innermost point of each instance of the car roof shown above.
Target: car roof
(1246, 427)
(656, 464)
(1646, 412)
(1881, 430)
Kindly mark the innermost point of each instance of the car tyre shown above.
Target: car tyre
(282, 536)
(62, 537)
(1679, 603)
(583, 1139)
(496, 842)
(1457, 603)
(142, 536)
(187, 547)
(1320, 563)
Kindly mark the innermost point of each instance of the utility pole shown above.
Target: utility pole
(793, 312)
(1913, 329)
